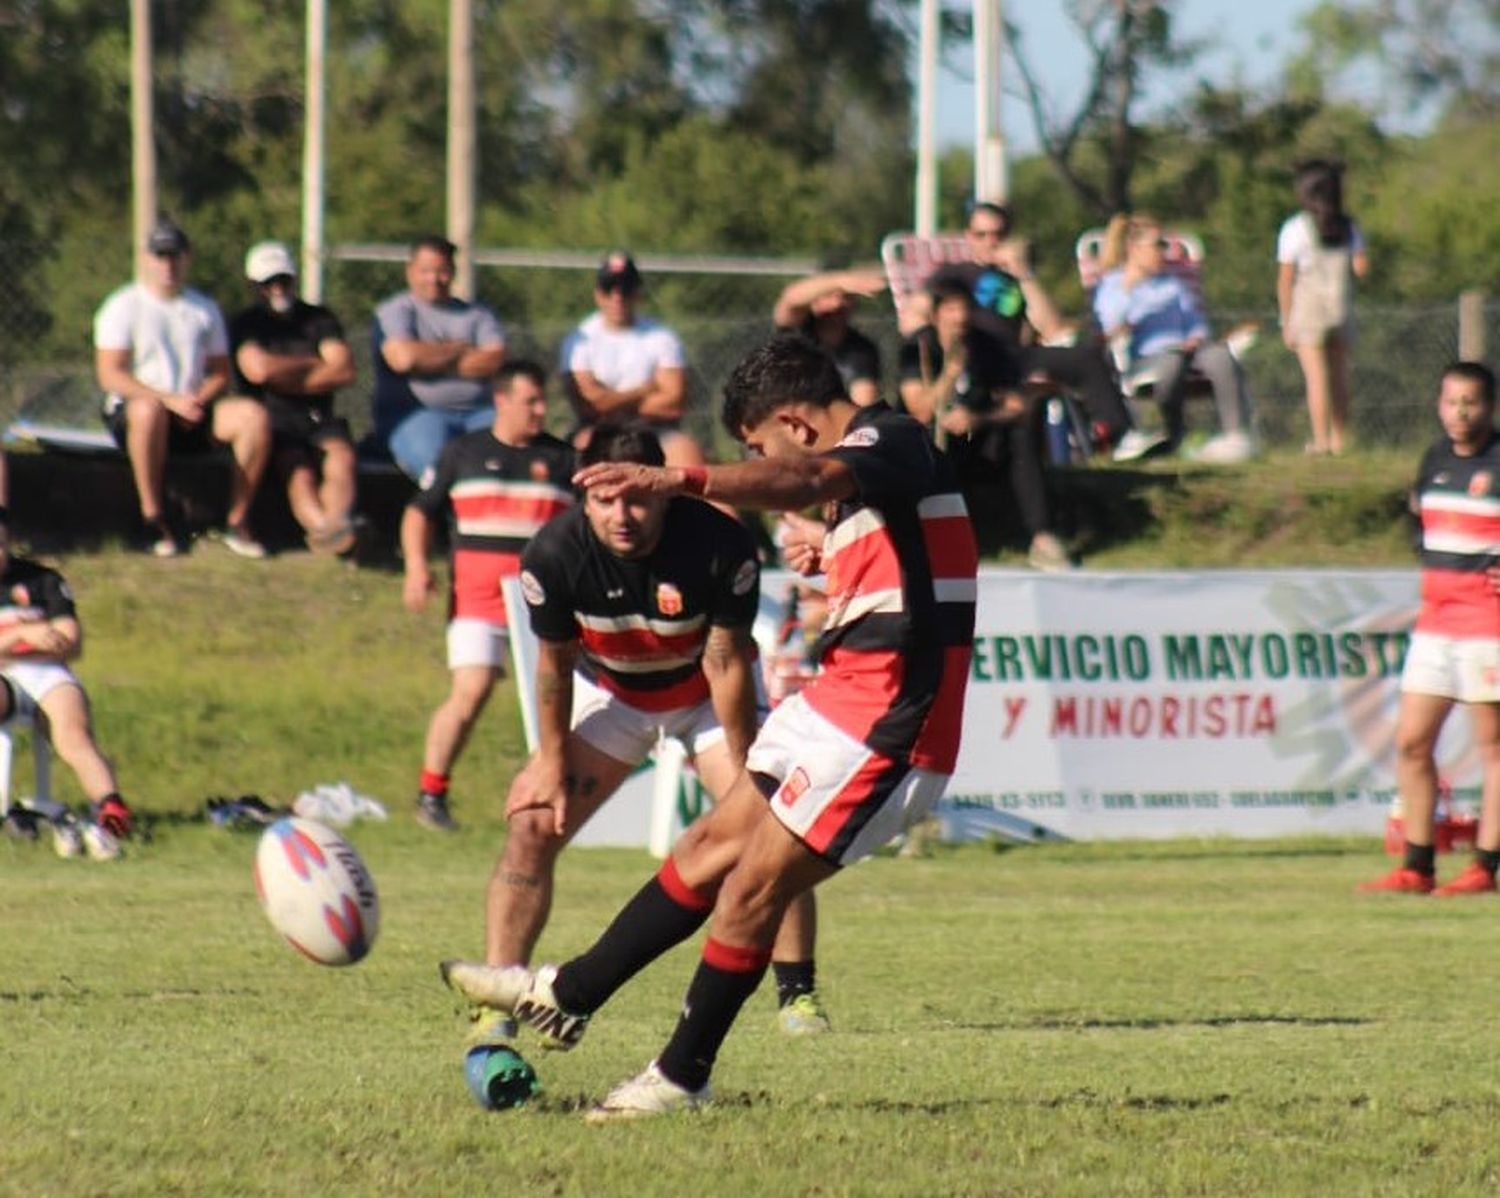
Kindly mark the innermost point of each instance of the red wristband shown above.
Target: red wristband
(695, 480)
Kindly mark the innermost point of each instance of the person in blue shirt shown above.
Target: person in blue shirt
(1161, 317)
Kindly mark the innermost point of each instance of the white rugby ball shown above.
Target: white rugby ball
(316, 891)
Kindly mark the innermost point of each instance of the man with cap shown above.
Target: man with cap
(435, 355)
(619, 364)
(161, 354)
(292, 356)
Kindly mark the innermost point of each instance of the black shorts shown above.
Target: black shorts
(183, 439)
(300, 432)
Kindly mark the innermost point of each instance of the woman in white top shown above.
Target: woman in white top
(1319, 252)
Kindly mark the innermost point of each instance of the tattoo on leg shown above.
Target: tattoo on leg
(528, 881)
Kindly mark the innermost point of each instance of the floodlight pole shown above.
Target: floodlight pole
(927, 180)
(462, 142)
(142, 128)
(313, 130)
(990, 182)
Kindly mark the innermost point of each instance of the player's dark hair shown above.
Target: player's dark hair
(942, 290)
(1474, 372)
(1319, 184)
(1001, 212)
(523, 368)
(435, 242)
(789, 368)
(621, 442)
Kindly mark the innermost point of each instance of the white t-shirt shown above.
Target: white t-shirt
(170, 340)
(621, 358)
(1297, 242)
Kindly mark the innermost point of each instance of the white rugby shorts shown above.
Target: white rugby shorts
(34, 681)
(474, 642)
(628, 734)
(1465, 669)
(837, 795)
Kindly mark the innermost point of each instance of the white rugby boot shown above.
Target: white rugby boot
(648, 1093)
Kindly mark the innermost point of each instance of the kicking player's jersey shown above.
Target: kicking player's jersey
(902, 567)
(1459, 504)
(29, 592)
(641, 623)
(497, 497)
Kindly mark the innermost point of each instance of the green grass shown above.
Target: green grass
(1198, 1018)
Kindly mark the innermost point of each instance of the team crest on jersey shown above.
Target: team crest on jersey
(668, 599)
(793, 788)
(538, 470)
(860, 438)
(531, 587)
(1481, 484)
(744, 578)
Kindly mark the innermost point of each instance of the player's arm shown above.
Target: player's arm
(334, 367)
(56, 639)
(408, 355)
(416, 544)
(607, 401)
(666, 394)
(794, 304)
(480, 361)
(215, 380)
(777, 484)
(283, 372)
(1286, 276)
(728, 664)
(544, 781)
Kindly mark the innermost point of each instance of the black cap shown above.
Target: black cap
(167, 238)
(618, 270)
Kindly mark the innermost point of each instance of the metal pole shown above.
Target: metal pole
(142, 128)
(462, 141)
(990, 182)
(1471, 326)
(313, 130)
(927, 181)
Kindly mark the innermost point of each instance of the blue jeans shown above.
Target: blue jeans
(418, 440)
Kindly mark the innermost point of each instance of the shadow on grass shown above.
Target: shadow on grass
(1148, 1023)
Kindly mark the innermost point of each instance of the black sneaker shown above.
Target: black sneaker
(19, 824)
(432, 812)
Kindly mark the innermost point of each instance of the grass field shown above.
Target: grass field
(1112, 1019)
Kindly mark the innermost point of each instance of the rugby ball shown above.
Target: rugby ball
(316, 891)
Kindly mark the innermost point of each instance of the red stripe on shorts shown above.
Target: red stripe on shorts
(870, 783)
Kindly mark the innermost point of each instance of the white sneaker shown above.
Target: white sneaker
(67, 837)
(237, 540)
(1048, 554)
(1227, 449)
(101, 846)
(648, 1093)
(519, 992)
(1136, 444)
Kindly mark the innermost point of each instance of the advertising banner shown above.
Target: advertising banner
(1103, 705)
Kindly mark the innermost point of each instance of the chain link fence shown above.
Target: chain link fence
(47, 306)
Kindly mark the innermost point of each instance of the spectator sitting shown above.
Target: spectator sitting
(439, 354)
(39, 634)
(819, 306)
(618, 364)
(161, 354)
(1011, 305)
(1168, 335)
(292, 356)
(967, 383)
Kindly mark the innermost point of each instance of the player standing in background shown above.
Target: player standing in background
(643, 611)
(838, 769)
(1454, 656)
(498, 486)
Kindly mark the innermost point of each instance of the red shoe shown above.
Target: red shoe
(114, 817)
(1474, 880)
(1399, 881)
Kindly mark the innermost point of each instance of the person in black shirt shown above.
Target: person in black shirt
(966, 385)
(39, 634)
(292, 356)
(819, 306)
(643, 610)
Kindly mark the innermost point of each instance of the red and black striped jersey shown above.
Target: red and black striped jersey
(641, 623)
(1458, 501)
(902, 566)
(496, 497)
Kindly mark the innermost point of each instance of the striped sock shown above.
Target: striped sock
(726, 977)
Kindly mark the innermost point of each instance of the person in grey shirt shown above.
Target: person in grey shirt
(435, 355)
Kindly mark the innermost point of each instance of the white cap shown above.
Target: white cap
(267, 259)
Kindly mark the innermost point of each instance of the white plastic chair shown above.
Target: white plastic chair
(41, 756)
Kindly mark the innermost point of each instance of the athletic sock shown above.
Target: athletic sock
(1422, 858)
(663, 913)
(1487, 860)
(434, 783)
(726, 977)
(792, 978)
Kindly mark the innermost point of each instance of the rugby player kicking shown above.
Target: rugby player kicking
(837, 770)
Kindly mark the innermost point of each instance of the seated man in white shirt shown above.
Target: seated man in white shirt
(618, 364)
(161, 354)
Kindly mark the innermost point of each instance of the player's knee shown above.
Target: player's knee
(531, 841)
(1415, 745)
